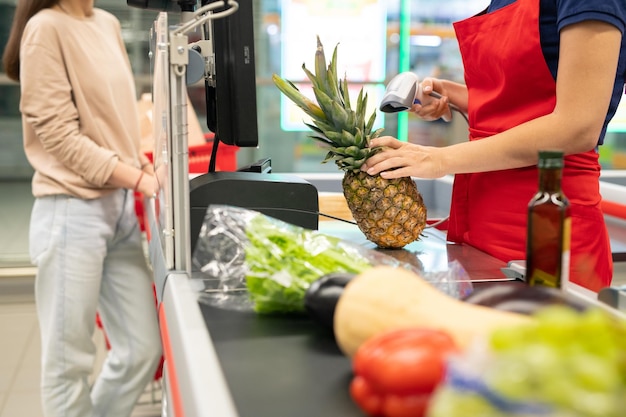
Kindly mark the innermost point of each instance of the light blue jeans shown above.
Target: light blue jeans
(89, 258)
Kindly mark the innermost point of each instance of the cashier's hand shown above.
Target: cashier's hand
(433, 108)
(398, 159)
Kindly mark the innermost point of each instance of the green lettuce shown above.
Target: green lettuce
(283, 260)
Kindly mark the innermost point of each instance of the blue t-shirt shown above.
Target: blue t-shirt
(554, 15)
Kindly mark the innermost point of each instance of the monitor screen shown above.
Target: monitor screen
(231, 99)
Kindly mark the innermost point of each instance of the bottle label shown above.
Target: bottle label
(544, 278)
(565, 258)
(549, 266)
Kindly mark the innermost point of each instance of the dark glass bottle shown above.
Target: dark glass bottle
(549, 226)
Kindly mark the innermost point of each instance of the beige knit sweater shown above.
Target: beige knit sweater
(78, 103)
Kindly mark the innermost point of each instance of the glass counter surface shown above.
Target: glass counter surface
(288, 365)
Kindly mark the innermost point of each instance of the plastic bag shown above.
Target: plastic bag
(244, 259)
(565, 364)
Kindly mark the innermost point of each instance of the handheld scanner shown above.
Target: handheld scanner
(401, 93)
(404, 90)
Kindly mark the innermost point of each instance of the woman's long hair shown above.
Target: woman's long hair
(24, 10)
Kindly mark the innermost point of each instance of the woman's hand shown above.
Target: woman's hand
(136, 179)
(400, 159)
(431, 108)
(147, 185)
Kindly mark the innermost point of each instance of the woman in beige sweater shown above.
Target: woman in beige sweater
(81, 136)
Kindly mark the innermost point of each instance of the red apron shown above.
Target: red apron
(510, 83)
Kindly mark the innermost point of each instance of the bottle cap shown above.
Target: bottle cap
(550, 159)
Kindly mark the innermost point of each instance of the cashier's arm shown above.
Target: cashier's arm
(588, 60)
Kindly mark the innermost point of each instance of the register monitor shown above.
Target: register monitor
(230, 80)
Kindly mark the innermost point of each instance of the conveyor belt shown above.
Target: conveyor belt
(287, 365)
(281, 365)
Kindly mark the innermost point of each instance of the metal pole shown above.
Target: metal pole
(179, 59)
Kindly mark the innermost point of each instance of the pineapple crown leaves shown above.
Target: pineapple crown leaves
(331, 93)
(292, 92)
(334, 122)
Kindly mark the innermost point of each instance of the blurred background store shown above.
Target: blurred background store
(377, 39)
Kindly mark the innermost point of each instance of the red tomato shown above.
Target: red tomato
(366, 399)
(405, 406)
(399, 369)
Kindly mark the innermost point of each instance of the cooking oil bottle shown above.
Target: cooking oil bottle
(549, 226)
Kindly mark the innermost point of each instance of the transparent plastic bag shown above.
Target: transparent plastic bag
(466, 392)
(246, 260)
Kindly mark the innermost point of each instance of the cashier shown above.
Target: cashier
(538, 74)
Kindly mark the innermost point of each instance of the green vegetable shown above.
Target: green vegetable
(573, 361)
(566, 363)
(283, 260)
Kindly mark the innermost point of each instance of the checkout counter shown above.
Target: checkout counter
(228, 363)
(232, 363)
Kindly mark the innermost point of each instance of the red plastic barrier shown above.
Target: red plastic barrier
(614, 209)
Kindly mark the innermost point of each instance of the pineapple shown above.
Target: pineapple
(391, 213)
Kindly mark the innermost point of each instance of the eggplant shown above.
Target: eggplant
(322, 296)
(517, 297)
